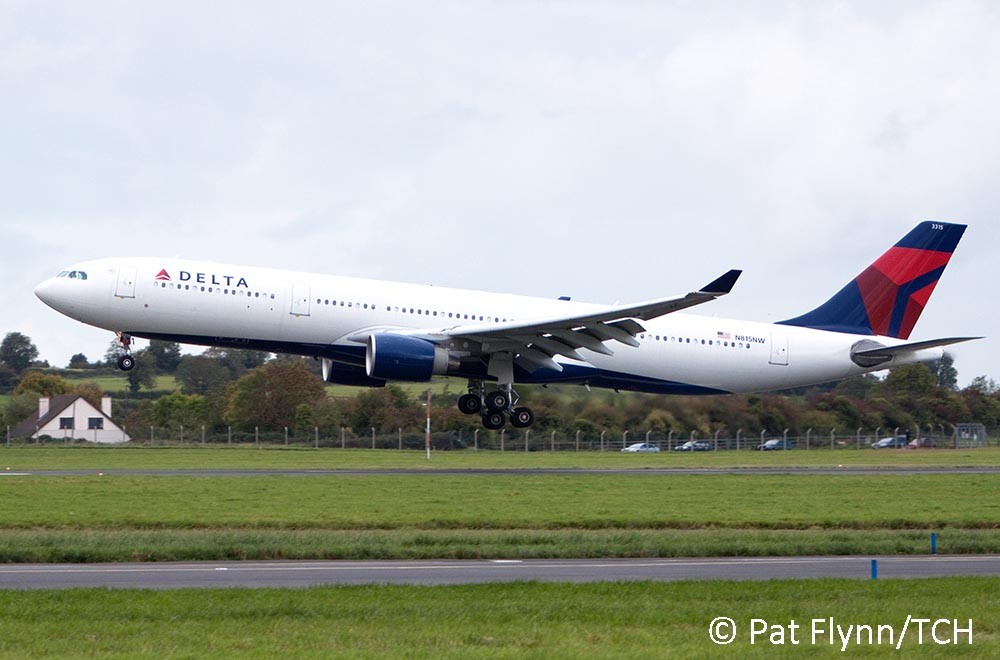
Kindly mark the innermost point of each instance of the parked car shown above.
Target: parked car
(898, 442)
(695, 445)
(921, 443)
(642, 447)
(776, 445)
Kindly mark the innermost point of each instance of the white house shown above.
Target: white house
(72, 416)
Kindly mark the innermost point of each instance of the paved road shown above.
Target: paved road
(498, 472)
(172, 575)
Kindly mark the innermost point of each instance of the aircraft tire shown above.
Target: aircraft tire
(497, 401)
(494, 421)
(522, 417)
(126, 362)
(469, 404)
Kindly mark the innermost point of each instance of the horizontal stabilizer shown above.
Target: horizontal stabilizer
(868, 353)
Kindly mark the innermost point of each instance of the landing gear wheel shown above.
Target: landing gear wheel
(469, 404)
(493, 421)
(497, 401)
(522, 417)
(126, 362)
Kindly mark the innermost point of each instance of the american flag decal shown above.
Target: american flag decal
(723, 335)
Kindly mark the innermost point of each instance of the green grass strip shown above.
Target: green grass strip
(194, 455)
(111, 545)
(584, 501)
(533, 620)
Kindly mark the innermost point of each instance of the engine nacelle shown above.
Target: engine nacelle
(399, 357)
(346, 374)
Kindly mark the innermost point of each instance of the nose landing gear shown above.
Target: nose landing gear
(125, 362)
(495, 407)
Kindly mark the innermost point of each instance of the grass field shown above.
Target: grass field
(109, 517)
(532, 620)
(86, 456)
(118, 383)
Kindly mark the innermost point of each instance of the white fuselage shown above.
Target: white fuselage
(323, 315)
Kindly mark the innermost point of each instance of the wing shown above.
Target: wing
(535, 343)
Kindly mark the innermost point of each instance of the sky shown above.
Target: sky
(613, 151)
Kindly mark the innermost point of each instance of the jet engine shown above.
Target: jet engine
(399, 357)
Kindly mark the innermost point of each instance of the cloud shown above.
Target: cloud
(611, 151)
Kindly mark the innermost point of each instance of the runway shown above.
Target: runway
(499, 472)
(250, 574)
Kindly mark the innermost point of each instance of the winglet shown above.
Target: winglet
(722, 285)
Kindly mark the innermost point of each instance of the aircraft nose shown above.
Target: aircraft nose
(46, 292)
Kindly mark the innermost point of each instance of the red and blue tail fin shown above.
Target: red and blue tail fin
(888, 297)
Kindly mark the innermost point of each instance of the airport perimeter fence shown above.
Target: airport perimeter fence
(961, 436)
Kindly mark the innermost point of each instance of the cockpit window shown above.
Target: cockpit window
(63, 274)
(74, 275)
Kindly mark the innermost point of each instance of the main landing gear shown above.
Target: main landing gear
(495, 407)
(126, 361)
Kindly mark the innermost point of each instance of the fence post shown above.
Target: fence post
(475, 439)
(401, 439)
(256, 436)
(624, 438)
(552, 441)
(602, 440)
(739, 432)
(857, 440)
(833, 434)
(670, 440)
(343, 439)
(229, 435)
(182, 434)
(503, 432)
(808, 433)
(373, 437)
(578, 440)
(8, 436)
(715, 440)
(151, 437)
(526, 433)
(316, 439)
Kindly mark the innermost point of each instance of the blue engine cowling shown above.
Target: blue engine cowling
(399, 357)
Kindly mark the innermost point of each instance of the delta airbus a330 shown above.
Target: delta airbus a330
(368, 332)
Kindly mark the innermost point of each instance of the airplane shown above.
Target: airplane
(369, 332)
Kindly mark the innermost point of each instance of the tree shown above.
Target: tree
(237, 361)
(911, 379)
(166, 355)
(78, 361)
(39, 384)
(268, 396)
(944, 370)
(200, 374)
(17, 352)
(176, 409)
(144, 372)
(8, 378)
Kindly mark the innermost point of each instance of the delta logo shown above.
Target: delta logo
(204, 278)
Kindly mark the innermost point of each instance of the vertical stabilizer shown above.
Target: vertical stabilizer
(887, 297)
